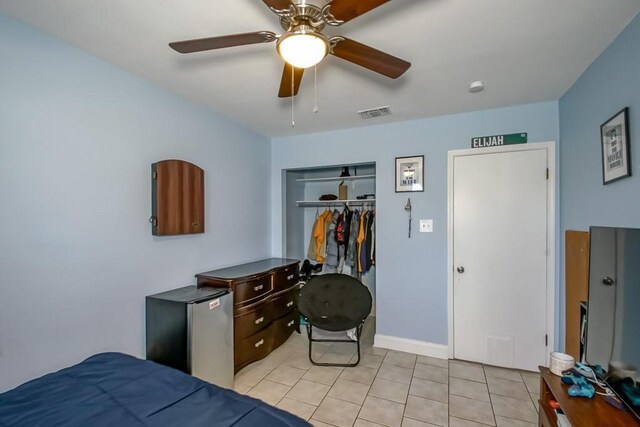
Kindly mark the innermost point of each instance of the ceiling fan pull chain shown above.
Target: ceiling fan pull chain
(293, 121)
(315, 86)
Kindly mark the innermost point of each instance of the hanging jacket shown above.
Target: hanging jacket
(331, 259)
(348, 215)
(340, 227)
(362, 253)
(319, 236)
(368, 238)
(328, 216)
(373, 239)
(311, 249)
(352, 249)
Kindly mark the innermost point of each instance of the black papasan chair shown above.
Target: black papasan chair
(335, 303)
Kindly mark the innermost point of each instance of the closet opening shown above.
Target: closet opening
(318, 201)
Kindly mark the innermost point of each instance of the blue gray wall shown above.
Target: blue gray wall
(608, 85)
(77, 139)
(411, 275)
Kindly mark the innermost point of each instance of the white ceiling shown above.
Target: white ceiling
(524, 50)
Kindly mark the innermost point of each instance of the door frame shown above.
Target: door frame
(550, 148)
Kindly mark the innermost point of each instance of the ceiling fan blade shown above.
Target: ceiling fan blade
(199, 45)
(278, 4)
(285, 83)
(346, 10)
(370, 58)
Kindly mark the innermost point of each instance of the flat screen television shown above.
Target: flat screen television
(613, 314)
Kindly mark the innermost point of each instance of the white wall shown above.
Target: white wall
(77, 139)
(411, 279)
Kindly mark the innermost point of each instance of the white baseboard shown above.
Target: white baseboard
(423, 348)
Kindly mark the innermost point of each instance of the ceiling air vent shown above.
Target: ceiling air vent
(375, 112)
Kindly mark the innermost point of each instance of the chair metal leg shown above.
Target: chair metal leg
(345, 365)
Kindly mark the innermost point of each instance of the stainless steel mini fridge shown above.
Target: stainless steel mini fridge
(191, 329)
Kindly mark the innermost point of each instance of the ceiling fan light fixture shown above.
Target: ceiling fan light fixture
(303, 47)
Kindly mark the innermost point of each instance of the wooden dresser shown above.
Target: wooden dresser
(265, 307)
(580, 411)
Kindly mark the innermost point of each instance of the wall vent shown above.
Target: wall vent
(375, 112)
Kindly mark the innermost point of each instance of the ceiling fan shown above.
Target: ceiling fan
(304, 45)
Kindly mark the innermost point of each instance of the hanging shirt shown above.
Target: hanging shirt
(361, 236)
(311, 249)
(340, 228)
(368, 239)
(348, 215)
(327, 222)
(352, 247)
(331, 259)
(373, 239)
(319, 236)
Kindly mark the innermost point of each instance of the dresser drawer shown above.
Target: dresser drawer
(252, 348)
(285, 303)
(284, 327)
(251, 290)
(252, 319)
(285, 278)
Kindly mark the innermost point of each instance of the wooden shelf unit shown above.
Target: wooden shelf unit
(336, 178)
(581, 411)
(576, 287)
(328, 203)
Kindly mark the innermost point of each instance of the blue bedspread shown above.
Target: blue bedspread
(116, 390)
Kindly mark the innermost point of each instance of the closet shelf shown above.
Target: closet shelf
(336, 178)
(321, 203)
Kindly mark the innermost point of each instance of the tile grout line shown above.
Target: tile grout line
(490, 402)
(406, 402)
(368, 390)
(493, 412)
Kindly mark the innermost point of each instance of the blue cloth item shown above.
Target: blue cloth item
(113, 389)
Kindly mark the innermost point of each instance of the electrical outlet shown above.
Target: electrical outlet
(426, 225)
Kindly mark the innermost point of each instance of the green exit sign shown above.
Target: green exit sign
(498, 140)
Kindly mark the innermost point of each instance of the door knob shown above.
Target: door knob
(607, 281)
(460, 269)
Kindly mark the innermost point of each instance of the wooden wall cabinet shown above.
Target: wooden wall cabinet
(576, 287)
(177, 200)
(265, 305)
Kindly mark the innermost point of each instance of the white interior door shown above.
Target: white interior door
(500, 258)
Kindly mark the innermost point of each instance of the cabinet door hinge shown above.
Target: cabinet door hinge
(546, 340)
(154, 175)
(547, 173)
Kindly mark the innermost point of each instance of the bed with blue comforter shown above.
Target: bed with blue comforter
(116, 390)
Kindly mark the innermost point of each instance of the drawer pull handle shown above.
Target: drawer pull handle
(291, 323)
(257, 288)
(290, 277)
(290, 303)
(259, 320)
(258, 344)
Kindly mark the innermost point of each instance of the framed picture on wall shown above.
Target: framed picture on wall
(616, 156)
(409, 174)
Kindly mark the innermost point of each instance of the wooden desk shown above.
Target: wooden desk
(580, 411)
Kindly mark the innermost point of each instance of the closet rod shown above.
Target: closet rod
(327, 203)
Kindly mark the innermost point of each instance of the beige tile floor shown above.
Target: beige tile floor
(389, 388)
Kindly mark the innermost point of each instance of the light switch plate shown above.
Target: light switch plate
(426, 225)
